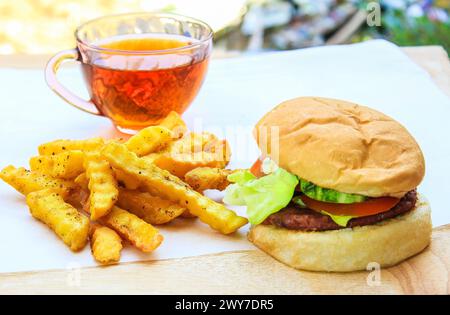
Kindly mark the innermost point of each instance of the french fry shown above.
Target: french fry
(106, 244)
(193, 143)
(203, 178)
(138, 232)
(65, 165)
(102, 185)
(118, 182)
(59, 146)
(177, 169)
(156, 138)
(161, 183)
(25, 181)
(125, 180)
(151, 209)
(174, 123)
(148, 140)
(49, 207)
(190, 152)
(180, 166)
(42, 164)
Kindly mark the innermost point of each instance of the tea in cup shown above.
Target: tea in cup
(137, 67)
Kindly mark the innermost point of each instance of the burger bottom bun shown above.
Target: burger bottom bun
(386, 243)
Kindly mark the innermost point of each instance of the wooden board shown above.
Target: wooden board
(434, 59)
(248, 272)
(244, 272)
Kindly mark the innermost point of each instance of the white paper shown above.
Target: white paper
(236, 93)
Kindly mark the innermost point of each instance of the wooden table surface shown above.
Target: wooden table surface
(251, 271)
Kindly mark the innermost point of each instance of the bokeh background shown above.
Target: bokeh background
(46, 26)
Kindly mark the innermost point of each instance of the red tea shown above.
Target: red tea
(139, 89)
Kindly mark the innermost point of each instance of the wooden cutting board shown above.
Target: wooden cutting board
(244, 272)
(249, 272)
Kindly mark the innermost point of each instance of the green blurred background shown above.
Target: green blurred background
(46, 26)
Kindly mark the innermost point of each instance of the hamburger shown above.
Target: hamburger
(335, 188)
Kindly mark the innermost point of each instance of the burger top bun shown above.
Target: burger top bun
(341, 145)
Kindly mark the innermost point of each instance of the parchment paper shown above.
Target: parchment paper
(236, 93)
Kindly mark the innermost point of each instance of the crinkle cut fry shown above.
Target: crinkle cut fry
(102, 185)
(149, 140)
(106, 244)
(138, 232)
(65, 165)
(166, 185)
(151, 209)
(71, 226)
(59, 146)
(203, 178)
(25, 181)
(175, 123)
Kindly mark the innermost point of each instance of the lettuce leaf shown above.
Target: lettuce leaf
(262, 196)
(299, 202)
(241, 177)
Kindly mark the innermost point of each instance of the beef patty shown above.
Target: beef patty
(293, 217)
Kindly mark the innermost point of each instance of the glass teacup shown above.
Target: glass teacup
(137, 67)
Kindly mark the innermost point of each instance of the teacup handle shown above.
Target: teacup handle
(50, 76)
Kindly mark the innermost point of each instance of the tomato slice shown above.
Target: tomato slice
(256, 168)
(358, 209)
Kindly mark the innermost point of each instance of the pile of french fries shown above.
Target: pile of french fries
(107, 191)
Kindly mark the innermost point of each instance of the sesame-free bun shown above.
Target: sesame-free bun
(385, 243)
(343, 146)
